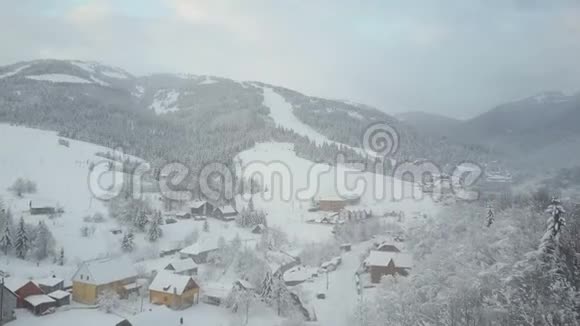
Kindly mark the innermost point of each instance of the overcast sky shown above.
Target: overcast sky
(451, 57)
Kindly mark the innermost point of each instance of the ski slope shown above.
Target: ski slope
(281, 113)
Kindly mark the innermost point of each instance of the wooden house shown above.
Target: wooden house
(9, 302)
(39, 304)
(225, 213)
(23, 289)
(50, 284)
(95, 276)
(186, 267)
(201, 208)
(61, 297)
(382, 263)
(173, 290)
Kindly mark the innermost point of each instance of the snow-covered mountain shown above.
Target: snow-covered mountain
(190, 118)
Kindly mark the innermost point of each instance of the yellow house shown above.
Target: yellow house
(95, 276)
(173, 290)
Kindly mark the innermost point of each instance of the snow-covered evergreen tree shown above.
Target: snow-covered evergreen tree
(22, 243)
(541, 292)
(127, 243)
(43, 242)
(155, 231)
(6, 243)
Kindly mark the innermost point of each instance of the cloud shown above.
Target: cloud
(454, 57)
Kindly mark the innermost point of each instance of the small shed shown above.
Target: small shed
(39, 303)
(185, 266)
(61, 297)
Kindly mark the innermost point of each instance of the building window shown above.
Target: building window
(81, 277)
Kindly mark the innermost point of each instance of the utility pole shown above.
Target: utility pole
(2, 301)
(327, 279)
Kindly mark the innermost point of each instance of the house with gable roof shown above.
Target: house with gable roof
(95, 276)
(173, 290)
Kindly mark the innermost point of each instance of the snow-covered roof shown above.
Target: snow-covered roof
(167, 282)
(298, 274)
(227, 209)
(49, 281)
(383, 258)
(105, 271)
(245, 284)
(182, 265)
(38, 299)
(202, 245)
(58, 294)
(14, 284)
(197, 203)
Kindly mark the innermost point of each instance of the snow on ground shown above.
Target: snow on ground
(207, 81)
(287, 205)
(204, 314)
(14, 72)
(165, 101)
(60, 78)
(61, 175)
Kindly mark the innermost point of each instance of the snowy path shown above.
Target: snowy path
(341, 296)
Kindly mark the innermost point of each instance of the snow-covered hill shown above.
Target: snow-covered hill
(287, 199)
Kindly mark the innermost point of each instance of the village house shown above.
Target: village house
(182, 267)
(382, 263)
(39, 304)
(225, 213)
(201, 208)
(95, 276)
(61, 297)
(200, 250)
(173, 290)
(50, 284)
(9, 302)
(23, 289)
